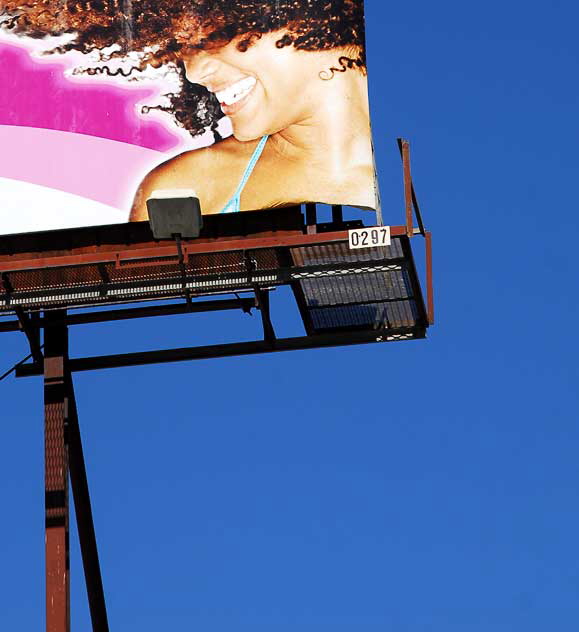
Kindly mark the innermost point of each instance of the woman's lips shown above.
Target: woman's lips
(235, 96)
(230, 110)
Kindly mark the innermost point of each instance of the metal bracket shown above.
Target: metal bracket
(186, 291)
(32, 332)
(261, 300)
(337, 214)
(311, 219)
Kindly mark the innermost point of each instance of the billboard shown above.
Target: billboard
(253, 104)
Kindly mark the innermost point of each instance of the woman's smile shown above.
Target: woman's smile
(235, 96)
(236, 91)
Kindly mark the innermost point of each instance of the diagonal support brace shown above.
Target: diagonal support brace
(84, 518)
(32, 332)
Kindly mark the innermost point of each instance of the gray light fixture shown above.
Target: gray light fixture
(175, 213)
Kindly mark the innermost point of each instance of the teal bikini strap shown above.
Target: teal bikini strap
(233, 205)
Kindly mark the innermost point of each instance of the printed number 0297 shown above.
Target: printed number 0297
(369, 237)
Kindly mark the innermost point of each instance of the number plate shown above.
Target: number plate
(369, 237)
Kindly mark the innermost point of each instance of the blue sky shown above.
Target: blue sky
(425, 486)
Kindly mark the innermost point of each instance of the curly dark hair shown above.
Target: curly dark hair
(161, 31)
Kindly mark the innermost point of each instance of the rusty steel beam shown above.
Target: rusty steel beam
(84, 519)
(56, 476)
(411, 201)
(229, 349)
(109, 315)
(405, 150)
(124, 257)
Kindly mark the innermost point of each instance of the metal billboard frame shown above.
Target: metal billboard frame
(129, 248)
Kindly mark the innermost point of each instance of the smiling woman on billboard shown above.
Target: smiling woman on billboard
(281, 84)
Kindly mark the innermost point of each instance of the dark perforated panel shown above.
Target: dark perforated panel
(368, 288)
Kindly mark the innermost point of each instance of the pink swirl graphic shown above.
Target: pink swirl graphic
(37, 94)
(99, 169)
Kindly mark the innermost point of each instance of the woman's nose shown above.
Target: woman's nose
(200, 67)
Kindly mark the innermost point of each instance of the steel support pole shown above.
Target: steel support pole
(56, 474)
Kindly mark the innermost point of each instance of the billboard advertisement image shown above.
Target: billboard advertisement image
(252, 104)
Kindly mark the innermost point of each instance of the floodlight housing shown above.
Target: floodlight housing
(175, 213)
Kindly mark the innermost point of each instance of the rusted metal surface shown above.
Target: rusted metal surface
(227, 272)
(130, 253)
(405, 149)
(311, 219)
(374, 292)
(338, 290)
(56, 478)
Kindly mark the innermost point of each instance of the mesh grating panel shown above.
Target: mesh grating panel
(145, 278)
(356, 288)
(369, 315)
(367, 288)
(340, 253)
(52, 278)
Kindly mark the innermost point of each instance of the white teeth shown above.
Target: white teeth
(236, 91)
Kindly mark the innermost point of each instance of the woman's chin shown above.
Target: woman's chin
(247, 135)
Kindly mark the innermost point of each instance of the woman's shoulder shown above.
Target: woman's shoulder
(196, 169)
(205, 157)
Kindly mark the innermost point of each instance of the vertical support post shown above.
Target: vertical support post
(56, 473)
(181, 256)
(262, 300)
(311, 218)
(405, 149)
(429, 284)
